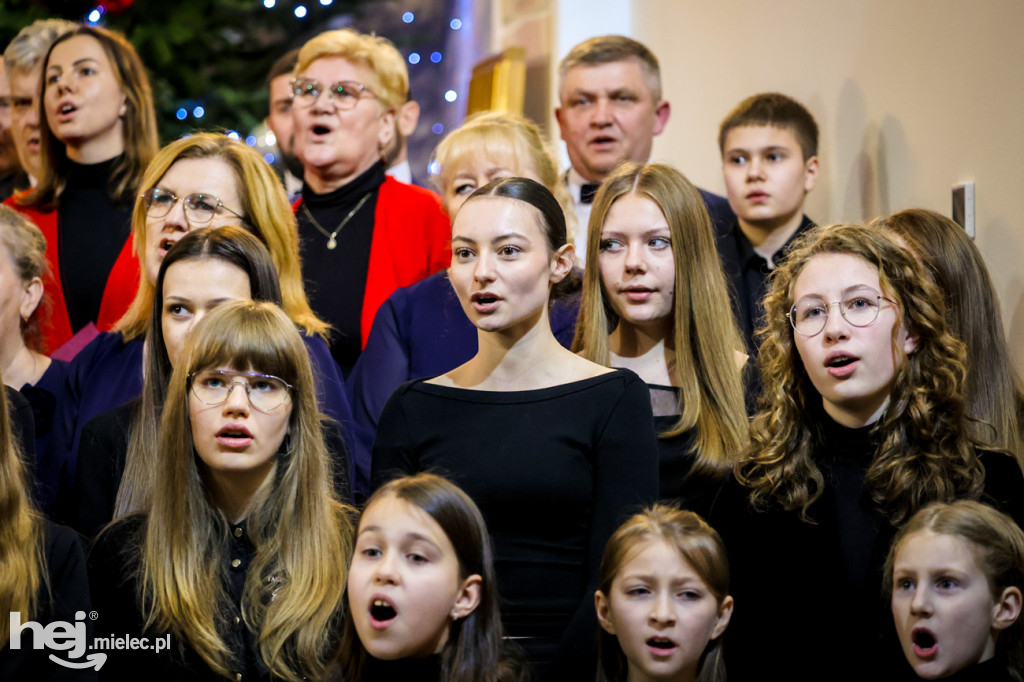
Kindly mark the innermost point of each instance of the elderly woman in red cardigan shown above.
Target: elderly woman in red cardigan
(362, 234)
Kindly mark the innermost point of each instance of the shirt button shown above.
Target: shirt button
(238, 531)
(235, 563)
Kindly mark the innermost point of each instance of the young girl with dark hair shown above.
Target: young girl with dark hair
(664, 600)
(554, 449)
(955, 576)
(422, 596)
(862, 422)
(240, 557)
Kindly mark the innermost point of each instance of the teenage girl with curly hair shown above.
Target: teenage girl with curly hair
(861, 423)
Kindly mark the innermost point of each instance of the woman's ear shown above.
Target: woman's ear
(724, 616)
(562, 262)
(468, 598)
(386, 132)
(603, 612)
(1007, 609)
(30, 298)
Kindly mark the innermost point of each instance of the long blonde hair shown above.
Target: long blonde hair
(994, 390)
(268, 215)
(704, 340)
(22, 568)
(292, 597)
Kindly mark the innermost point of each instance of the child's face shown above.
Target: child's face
(945, 614)
(404, 588)
(853, 368)
(766, 177)
(662, 614)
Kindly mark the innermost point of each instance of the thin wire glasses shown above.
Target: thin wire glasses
(199, 208)
(345, 94)
(809, 315)
(266, 392)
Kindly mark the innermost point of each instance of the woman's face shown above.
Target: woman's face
(337, 144)
(637, 265)
(852, 367)
(213, 177)
(502, 268)
(192, 288)
(83, 100)
(234, 438)
(18, 300)
(474, 170)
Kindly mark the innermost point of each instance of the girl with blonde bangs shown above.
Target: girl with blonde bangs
(205, 180)
(861, 423)
(239, 560)
(42, 568)
(669, 321)
(994, 389)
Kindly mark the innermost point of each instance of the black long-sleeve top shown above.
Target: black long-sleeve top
(809, 595)
(554, 472)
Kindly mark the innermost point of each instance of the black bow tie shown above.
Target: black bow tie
(587, 192)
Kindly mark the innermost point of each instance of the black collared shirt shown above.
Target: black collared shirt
(747, 272)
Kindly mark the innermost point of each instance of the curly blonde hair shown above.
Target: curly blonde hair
(924, 452)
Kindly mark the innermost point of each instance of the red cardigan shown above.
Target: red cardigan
(411, 239)
(122, 282)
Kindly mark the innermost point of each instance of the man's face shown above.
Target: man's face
(8, 155)
(280, 119)
(608, 115)
(25, 116)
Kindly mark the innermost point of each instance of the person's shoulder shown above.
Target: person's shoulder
(60, 543)
(117, 420)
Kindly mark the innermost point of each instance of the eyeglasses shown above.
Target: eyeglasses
(266, 393)
(345, 94)
(199, 208)
(809, 315)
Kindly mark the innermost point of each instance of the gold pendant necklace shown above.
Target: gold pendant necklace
(332, 243)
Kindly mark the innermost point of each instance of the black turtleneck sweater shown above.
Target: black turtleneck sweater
(336, 278)
(809, 593)
(91, 230)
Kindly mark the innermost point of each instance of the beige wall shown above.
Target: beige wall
(912, 97)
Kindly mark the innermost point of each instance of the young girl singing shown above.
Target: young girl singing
(956, 576)
(664, 600)
(239, 558)
(422, 596)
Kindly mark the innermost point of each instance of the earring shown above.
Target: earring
(124, 109)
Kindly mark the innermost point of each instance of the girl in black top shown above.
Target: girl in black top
(240, 556)
(656, 301)
(554, 449)
(861, 423)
